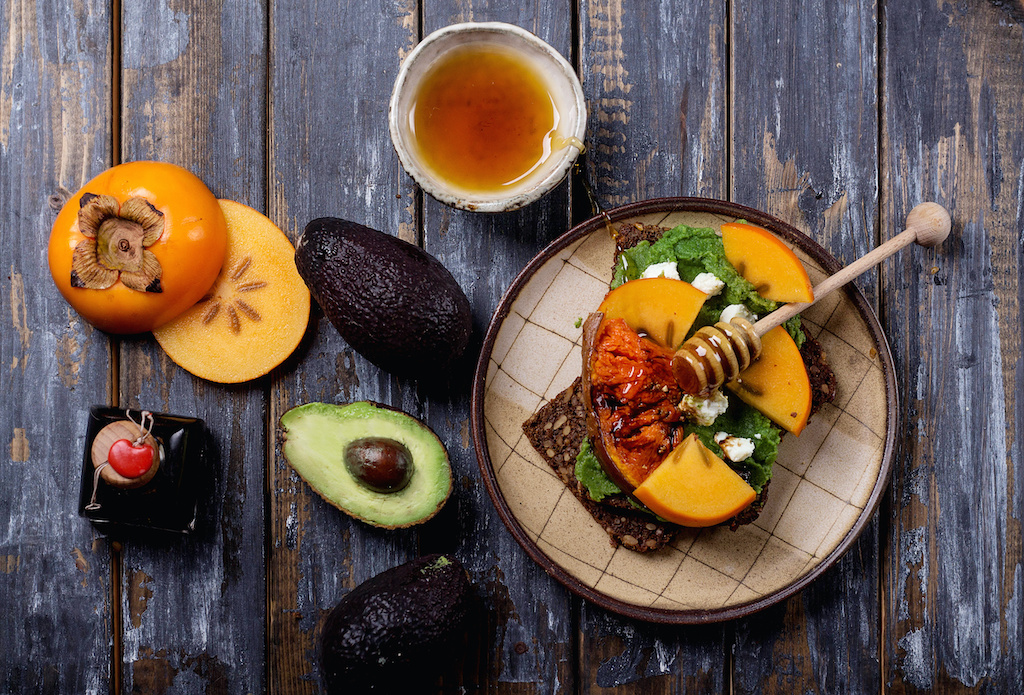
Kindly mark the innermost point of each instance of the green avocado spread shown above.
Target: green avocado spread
(696, 251)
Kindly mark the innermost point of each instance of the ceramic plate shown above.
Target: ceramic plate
(825, 486)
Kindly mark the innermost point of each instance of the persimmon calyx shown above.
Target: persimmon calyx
(115, 244)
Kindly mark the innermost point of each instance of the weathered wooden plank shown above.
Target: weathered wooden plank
(803, 141)
(332, 68)
(953, 89)
(655, 80)
(194, 93)
(527, 645)
(54, 136)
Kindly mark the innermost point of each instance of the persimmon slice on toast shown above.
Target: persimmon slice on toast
(766, 263)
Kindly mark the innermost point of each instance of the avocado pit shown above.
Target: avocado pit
(379, 463)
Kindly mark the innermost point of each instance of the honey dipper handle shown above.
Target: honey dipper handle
(927, 224)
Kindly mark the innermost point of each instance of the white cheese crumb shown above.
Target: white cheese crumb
(757, 436)
(733, 310)
(709, 284)
(704, 410)
(736, 448)
(667, 269)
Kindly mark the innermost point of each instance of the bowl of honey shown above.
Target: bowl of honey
(486, 116)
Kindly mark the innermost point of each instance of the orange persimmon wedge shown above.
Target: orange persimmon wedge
(694, 487)
(768, 264)
(661, 308)
(256, 313)
(776, 383)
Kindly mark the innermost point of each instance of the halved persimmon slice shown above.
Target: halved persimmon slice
(694, 487)
(776, 383)
(767, 263)
(661, 308)
(256, 313)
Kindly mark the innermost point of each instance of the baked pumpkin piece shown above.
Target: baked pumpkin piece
(630, 396)
(256, 313)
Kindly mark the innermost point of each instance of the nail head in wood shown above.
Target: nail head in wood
(931, 223)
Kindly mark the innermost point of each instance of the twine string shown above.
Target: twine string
(145, 426)
(93, 505)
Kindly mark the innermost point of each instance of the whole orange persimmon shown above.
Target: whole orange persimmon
(137, 246)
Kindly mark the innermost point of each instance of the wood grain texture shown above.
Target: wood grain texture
(655, 82)
(527, 642)
(804, 134)
(625, 656)
(331, 155)
(283, 106)
(194, 93)
(954, 132)
(655, 79)
(54, 568)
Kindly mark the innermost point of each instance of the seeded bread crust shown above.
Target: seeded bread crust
(558, 429)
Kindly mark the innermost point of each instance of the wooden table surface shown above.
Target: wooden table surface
(837, 116)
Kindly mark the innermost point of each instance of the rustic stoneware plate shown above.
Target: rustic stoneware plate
(826, 484)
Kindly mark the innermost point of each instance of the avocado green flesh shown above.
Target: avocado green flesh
(316, 435)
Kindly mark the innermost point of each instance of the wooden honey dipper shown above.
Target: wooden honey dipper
(717, 354)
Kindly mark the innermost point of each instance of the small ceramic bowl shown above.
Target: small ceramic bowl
(560, 80)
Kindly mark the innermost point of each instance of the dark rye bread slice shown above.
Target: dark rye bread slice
(558, 429)
(629, 235)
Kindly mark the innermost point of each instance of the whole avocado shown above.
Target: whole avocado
(397, 629)
(394, 303)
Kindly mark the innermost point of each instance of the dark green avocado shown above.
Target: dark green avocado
(398, 629)
(394, 303)
(375, 463)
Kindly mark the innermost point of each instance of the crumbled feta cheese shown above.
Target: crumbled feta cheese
(757, 436)
(709, 284)
(667, 269)
(704, 410)
(736, 448)
(733, 310)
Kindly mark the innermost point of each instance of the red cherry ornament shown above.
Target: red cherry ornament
(129, 460)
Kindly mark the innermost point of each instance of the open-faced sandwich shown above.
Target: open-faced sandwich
(641, 455)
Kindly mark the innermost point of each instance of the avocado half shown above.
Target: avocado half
(320, 440)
